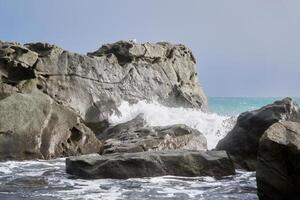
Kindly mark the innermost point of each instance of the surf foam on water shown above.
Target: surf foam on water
(47, 179)
(212, 125)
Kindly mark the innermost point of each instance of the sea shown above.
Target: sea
(40, 179)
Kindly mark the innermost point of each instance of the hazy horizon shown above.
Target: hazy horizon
(243, 48)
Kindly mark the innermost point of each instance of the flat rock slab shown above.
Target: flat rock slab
(150, 164)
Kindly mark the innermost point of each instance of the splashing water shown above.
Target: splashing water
(212, 125)
(47, 179)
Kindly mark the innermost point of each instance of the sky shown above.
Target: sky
(243, 47)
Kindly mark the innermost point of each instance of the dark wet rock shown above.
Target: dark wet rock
(151, 163)
(95, 85)
(32, 126)
(278, 165)
(242, 142)
(98, 127)
(137, 136)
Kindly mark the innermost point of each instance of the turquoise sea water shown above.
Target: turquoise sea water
(233, 106)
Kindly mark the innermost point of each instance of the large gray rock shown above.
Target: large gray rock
(242, 142)
(89, 87)
(278, 165)
(137, 136)
(153, 163)
(94, 85)
(33, 126)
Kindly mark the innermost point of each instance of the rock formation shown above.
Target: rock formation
(151, 163)
(242, 142)
(278, 165)
(137, 136)
(51, 98)
(94, 85)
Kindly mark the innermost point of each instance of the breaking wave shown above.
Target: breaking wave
(212, 125)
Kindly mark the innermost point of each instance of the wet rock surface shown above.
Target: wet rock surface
(150, 164)
(137, 136)
(243, 140)
(278, 165)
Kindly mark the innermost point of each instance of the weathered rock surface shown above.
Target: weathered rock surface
(94, 85)
(87, 87)
(151, 163)
(278, 165)
(242, 142)
(137, 136)
(33, 126)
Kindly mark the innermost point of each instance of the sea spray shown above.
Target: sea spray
(47, 179)
(212, 125)
(15, 175)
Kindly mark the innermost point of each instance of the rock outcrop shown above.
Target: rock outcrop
(149, 164)
(34, 126)
(242, 142)
(81, 91)
(278, 165)
(94, 85)
(137, 136)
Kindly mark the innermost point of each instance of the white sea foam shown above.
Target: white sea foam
(62, 186)
(212, 125)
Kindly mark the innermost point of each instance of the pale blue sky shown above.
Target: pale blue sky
(243, 47)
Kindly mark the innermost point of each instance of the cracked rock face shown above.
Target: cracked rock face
(33, 126)
(137, 136)
(95, 84)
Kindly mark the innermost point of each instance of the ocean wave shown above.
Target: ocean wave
(212, 125)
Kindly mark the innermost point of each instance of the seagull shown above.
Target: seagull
(133, 40)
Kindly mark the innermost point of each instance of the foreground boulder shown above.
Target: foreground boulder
(95, 84)
(242, 142)
(34, 126)
(137, 136)
(151, 163)
(278, 165)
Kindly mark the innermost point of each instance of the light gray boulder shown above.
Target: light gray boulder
(33, 126)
